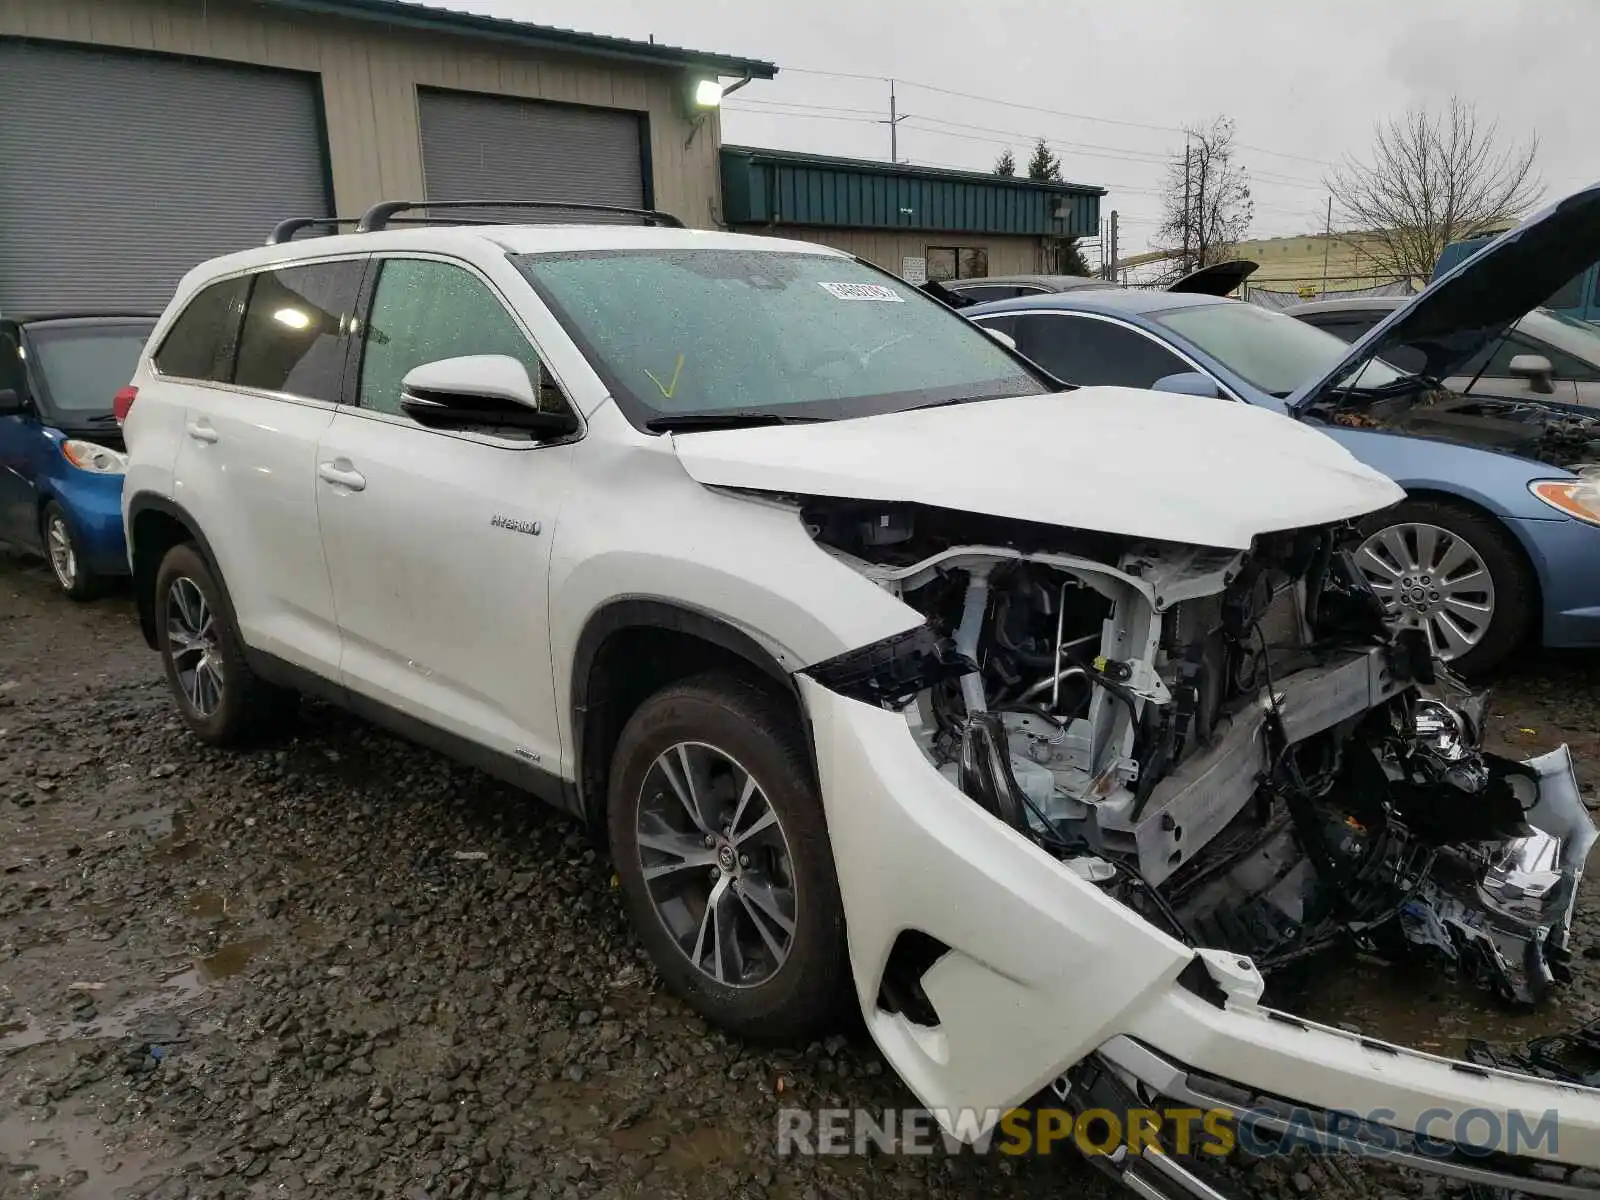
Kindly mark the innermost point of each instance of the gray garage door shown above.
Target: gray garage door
(119, 172)
(476, 147)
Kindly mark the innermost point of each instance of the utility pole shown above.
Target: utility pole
(1188, 211)
(893, 123)
(1112, 273)
(1200, 214)
(1327, 241)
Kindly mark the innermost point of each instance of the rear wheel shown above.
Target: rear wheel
(719, 842)
(1454, 573)
(65, 551)
(220, 698)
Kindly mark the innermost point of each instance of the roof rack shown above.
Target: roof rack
(284, 231)
(379, 216)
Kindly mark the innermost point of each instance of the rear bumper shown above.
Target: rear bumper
(1045, 972)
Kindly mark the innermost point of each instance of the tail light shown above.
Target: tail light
(122, 402)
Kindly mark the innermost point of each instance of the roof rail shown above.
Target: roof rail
(379, 216)
(284, 231)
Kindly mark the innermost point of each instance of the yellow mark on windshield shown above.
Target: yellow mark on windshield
(667, 388)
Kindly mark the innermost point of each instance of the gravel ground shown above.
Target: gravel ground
(348, 967)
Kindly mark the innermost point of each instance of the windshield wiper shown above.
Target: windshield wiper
(733, 418)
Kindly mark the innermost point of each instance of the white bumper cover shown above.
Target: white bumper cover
(1044, 970)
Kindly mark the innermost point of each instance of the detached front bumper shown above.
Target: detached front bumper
(1038, 971)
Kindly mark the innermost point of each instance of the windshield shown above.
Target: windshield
(1268, 350)
(81, 367)
(790, 335)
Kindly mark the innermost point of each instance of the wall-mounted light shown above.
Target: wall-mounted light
(707, 93)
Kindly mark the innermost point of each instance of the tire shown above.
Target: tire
(64, 551)
(761, 994)
(237, 707)
(1511, 594)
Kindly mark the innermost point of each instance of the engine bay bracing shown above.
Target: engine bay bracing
(1233, 744)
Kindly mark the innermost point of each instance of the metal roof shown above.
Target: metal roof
(538, 37)
(786, 187)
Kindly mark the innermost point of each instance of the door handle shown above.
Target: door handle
(201, 433)
(343, 476)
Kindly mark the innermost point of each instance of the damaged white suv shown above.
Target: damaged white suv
(1037, 722)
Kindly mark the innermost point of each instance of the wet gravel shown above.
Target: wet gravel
(344, 966)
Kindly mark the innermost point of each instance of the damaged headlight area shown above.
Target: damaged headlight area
(1233, 744)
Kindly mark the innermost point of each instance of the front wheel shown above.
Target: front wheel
(67, 560)
(1454, 573)
(719, 842)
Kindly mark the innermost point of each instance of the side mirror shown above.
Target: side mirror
(1005, 339)
(1536, 369)
(477, 391)
(1188, 383)
(11, 404)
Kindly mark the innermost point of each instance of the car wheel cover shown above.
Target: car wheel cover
(63, 560)
(192, 645)
(1434, 580)
(716, 865)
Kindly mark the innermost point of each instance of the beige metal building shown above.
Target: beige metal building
(139, 137)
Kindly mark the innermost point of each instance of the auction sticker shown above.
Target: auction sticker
(862, 291)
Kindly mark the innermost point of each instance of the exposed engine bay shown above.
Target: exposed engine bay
(1558, 435)
(1234, 745)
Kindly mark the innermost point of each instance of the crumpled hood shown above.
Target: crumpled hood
(1467, 308)
(1114, 460)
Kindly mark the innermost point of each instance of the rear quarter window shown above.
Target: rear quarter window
(200, 343)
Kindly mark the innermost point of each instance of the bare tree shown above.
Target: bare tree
(1206, 199)
(1432, 178)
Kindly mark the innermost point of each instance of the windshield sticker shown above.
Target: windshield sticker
(862, 291)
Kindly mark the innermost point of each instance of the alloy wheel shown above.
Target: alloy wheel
(192, 642)
(716, 864)
(1434, 580)
(58, 540)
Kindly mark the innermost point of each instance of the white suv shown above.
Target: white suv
(1036, 724)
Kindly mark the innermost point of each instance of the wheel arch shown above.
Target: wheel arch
(155, 525)
(1512, 530)
(631, 648)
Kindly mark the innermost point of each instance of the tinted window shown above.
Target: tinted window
(80, 367)
(200, 341)
(12, 377)
(1083, 350)
(1564, 365)
(989, 291)
(293, 337)
(1571, 293)
(1006, 325)
(1347, 327)
(424, 311)
(818, 335)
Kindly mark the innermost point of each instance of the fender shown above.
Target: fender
(144, 572)
(646, 613)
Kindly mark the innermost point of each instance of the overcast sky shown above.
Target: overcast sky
(1303, 79)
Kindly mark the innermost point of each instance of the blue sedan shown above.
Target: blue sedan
(61, 451)
(1498, 539)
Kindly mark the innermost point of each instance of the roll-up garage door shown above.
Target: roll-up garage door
(489, 147)
(119, 172)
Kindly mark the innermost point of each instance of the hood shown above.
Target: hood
(1216, 280)
(1113, 460)
(1474, 303)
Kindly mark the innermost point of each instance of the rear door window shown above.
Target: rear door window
(293, 339)
(200, 343)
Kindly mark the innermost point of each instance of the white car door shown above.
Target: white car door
(439, 542)
(246, 469)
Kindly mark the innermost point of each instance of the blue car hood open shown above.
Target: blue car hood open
(1473, 304)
